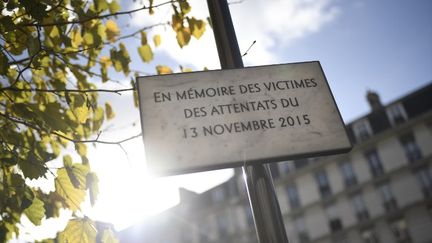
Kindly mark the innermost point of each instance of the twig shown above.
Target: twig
(40, 130)
(246, 52)
(117, 91)
(104, 16)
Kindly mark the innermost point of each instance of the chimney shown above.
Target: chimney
(374, 100)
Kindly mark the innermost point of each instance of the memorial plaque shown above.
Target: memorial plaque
(217, 119)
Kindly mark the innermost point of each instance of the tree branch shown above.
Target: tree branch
(104, 16)
(40, 130)
(117, 91)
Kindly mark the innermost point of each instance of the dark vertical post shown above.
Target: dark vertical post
(262, 197)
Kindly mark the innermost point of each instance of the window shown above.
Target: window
(389, 201)
(285, 167)
(249, 216)
(293, 196)
(218, 194)
(323, 184)
(232, 189)
(362, 130)
(374, 162)
(424, 175)
(412, 150)
(335, 224)
(396, 114)
(369, 236)
(399, 229)
(274, 171)
(204, 232)
(300, 163)
(300, 226)
(348, 174)
(222, 224)
(360, 209)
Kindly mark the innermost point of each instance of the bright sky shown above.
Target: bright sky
(362, 44)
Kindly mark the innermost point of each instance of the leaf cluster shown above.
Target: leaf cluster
(53, 56)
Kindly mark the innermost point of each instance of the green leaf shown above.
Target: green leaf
(7, 23)
(79, 231)
(36, 211)
(4, 66)
(109, 111)
(32, 167)
(37, 9)
(146, 53)
(157, 40)
(109, 237)
(93, 186)
(72, 196)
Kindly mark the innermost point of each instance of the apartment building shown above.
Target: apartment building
(380, 192)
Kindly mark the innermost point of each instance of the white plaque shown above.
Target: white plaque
(216, 119)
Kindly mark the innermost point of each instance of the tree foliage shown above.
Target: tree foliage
(53, 56)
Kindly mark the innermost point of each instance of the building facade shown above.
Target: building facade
(379, 192)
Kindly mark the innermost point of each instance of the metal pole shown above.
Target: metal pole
(262, 197)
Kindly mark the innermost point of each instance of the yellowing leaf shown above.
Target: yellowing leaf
(185, 7)
(145, 53)
(186, 70)
(88, 39)
(109, 237)
(109, 111)
(76, 38)
(67, 160)
(112, 30)
(77, 174)
(114, 7)
(197, 27)
(101, 5)
(163, 69)
(36, 211)
(105, 61)
(143, 38)
(98, 118)
(64, 187)
(183, 37)
(81, 149)
(177, 22)
(93, 186)
(54, 32)
(81, 113)
(79, 231)
(157, 40)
